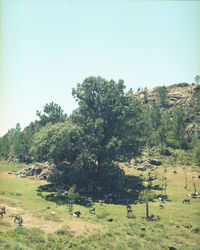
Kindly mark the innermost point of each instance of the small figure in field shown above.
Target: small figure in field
(77, 214)
(186, 201)
(1, 214)
(3, 210)
(18, 219)
(128, 206)
(101, 202)
(175, 172)
(129, 209)
(161, 206)
(161, 199)
(53, 213)
(92, 210)
(110, 220)
(48, 207)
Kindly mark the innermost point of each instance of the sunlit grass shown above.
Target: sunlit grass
(179, 225)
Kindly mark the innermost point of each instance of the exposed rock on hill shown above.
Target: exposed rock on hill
(181, 95)
(39, 170)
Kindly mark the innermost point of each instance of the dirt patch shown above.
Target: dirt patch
(77, 225)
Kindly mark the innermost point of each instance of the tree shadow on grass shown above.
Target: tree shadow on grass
(127, 194)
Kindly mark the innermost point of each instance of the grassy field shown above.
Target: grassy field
(179, 225)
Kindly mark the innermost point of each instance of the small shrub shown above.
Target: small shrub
(18, 194)
(7, 246)
(196, 230)
(131, 216)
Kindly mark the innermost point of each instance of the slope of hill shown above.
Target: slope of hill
(181, 95)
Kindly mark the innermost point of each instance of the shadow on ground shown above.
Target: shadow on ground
(129, 193)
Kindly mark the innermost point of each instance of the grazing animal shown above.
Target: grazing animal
(129, 210)
(92, 210)
(110, 220)
(161, 206)
(77, 214)
(53, 213)
(143, 228)
(3, 210)
(18, 219)
(1, 214)
(161, 199)
(172, 248)
(186, 201)
(175, 172)
(48, 207)
(101, 202)
(128, 207)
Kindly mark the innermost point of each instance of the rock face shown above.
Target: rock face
(39, 170)
(181, 95)
(144, 164)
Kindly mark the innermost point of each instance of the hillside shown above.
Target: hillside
(181, 95)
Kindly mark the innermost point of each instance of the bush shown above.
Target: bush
(196, 230)
(197, 154)
(131, 216)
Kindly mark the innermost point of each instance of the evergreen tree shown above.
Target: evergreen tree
(155, 116)
(162, 95)
(53, 113)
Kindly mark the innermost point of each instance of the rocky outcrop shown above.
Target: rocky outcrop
(181, 95)
(39, 170)
(144, 164)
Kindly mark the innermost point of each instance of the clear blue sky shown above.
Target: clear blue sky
(48, 46)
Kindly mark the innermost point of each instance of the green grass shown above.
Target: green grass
(179, 225)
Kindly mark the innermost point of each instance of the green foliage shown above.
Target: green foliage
(197, 79)
(197, 153)
(162, 134)
(53, 113)
(162, 95)
(147, 195)
(108, 118)
(178, 128)
(155, 115)
(72, 193)
(56, 142)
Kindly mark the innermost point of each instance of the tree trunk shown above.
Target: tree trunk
(195, 190)
(147, 209)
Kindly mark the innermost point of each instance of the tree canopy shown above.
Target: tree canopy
(106, 116)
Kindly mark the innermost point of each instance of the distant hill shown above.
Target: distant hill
(181, 95)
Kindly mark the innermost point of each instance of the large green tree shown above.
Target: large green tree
(109, 120)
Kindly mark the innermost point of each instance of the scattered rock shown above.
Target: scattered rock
(39, 170)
